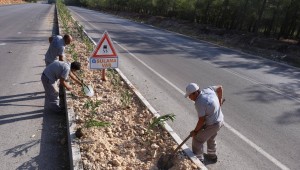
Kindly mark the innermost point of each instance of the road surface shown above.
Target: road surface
(29, 138)
(262, 111)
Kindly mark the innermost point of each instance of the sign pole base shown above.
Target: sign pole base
(103, 75)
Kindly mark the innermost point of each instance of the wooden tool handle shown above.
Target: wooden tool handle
(187, 138)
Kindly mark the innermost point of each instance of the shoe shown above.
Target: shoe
(212, 158)
(201, 158)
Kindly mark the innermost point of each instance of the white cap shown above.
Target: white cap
(191, 88)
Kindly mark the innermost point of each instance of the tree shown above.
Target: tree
(260, 14)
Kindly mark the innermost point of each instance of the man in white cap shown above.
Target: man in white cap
(208, 103)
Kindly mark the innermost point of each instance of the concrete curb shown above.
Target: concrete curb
(75, 156)
(166, 126)
(74, 149)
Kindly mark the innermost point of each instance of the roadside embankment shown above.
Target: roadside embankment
(9, 2)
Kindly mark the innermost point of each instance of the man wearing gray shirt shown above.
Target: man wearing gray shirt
(58, 70)
(57, 48)
(208, 103)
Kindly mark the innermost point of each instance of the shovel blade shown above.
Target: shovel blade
(88, 90)
(165, 162)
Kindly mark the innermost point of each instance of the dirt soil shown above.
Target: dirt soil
(127, 144)
(10, 2)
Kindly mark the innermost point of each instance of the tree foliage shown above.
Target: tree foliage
(280, 18)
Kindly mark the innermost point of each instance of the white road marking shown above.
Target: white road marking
(245, 139)
(162, 77)
(259, 149)
(258, 83)
(2, 43)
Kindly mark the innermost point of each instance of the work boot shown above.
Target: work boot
(211, 157)
(201, 158)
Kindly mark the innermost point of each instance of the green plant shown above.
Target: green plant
(89, 45)
(90, 105)
(75, 56)
(114, 78)
(159, 120)
(64, 16)
(79, 29)
(95, 123)
(126, 98)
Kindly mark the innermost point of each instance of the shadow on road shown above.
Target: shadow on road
(6, 100)
(53, 146)
(53, 152)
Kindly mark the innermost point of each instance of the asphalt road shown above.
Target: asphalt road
(29, 138)
(262, 111)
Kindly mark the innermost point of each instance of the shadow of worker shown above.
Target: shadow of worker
(53, 144)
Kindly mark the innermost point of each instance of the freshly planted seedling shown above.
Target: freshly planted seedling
(75, 56)
(65, 16)
(126, 97)
(79, 29)
(115, 78)
(159, 120)
(95, 123)
(88, 44)
(90, 105)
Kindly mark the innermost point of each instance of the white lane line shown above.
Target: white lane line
(259, 149)
(258, 83)
(162, 77)
(230, 71)
(245, 139)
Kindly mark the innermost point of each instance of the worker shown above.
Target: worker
(208, 103)
(58, 70)
(56, 50)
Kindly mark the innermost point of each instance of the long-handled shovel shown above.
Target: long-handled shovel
(89, 88)
(167, 161)
(81, 81)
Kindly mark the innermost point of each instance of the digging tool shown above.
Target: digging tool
(223, 100)
(82, 83)
(89, 88)
(167, 161)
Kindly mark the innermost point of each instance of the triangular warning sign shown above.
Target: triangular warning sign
(105, 48)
